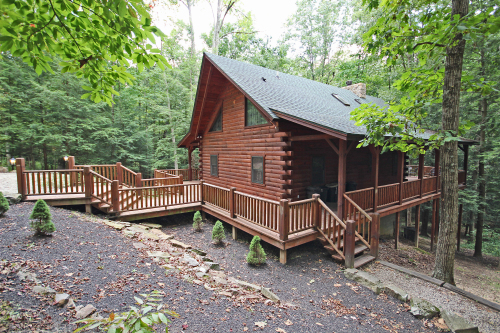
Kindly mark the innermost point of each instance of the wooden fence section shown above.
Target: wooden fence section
(429, 185)
(160, 181)
(363, 197)
(46, 182)
(301, 215)
(387, 195)
(128, 177)
(361, 218)
(260, 211)
(216, 196)
(184, 173)
(332, 228)
(101, 188)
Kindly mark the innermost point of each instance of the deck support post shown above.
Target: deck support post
(401, 176)
(375, 171)
(341, 177)
(421, 173)
(21, 177)
(284, 219)
(315, 211)
(190, 169)
(235, 233)
(115, 199)
(466, 161)
(433, 222)
(88, 209)
(460, 210)
(283, 256)
(201, 192)
(417, 224)
(119, 172)
(231, 202)
(396, 230)
(350, 240)
(374, 234)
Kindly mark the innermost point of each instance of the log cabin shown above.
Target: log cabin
(282, 137)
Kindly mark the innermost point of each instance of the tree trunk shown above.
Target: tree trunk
(217, 27)
(189, 5)
(445, 252)
(478, 247)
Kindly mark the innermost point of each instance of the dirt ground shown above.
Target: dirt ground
(480, 276)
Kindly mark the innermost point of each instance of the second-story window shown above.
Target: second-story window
(214, 165)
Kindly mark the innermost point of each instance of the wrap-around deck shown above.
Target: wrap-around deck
(124, 195)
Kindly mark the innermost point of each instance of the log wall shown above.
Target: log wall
(236, 144)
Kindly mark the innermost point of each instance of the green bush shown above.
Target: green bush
(491, 242)
(197, 221)
(43, 220)
(218, 232)
(4, 204)
(136, 320)
(256, 256)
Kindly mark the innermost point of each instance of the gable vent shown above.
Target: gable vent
(341, 100)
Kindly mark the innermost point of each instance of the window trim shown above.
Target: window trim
(324, 169)
(217, 159)
(219, 113)
(245, 115)
(263, 170)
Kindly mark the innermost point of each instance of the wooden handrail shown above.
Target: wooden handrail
(56, 170)
(360, 190)
(294, 203)
(331, 213)
(357, 207)
(127, 169)
(257, 198)
(99, 176)
(215, 186)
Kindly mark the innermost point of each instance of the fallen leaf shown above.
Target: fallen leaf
(260, 324)
(320, 324)
(312, 281)
(337, 285)
(288, 322)
(280, 330)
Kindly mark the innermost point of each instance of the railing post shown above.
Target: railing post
(190, 172)
(89, 186)
(138, 180)
(21, 177)
(71, 166)
(284, 219)
(201, 192)
(115, 198)
(349, 243)
(119, 172)
(231, 201)
(315, 211)
(374, 234)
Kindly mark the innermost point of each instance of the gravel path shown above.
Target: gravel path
(488, 320)
(97, 265)
(8, 182)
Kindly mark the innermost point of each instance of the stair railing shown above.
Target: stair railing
(331, 228)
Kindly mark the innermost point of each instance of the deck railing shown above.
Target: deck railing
(101, 188)
(361, 219)
(38, 182)
(184, 173)
(387, 195)
(216, 196)
(260, 211)
(148, 182)
(301, 215)
(332, 228)
(128, 177)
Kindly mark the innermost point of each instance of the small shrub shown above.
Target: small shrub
(197, 221)
(218, 232)
(135, 320)
(4, 204)
(43, 220)
(256, 256)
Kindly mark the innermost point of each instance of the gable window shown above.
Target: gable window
(217, 125)
(252, 115)
(214, 165)
(318, 170)
(258, 169)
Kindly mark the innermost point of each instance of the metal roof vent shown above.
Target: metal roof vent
(341, 100)
(264, 79)
(358, 100)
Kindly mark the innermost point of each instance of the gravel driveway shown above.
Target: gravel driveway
(8, 182)
(97, 265)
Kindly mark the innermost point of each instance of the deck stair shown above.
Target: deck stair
(333, 235)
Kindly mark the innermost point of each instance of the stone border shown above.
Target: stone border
(490, 304)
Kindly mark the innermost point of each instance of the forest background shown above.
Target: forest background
(43, 117)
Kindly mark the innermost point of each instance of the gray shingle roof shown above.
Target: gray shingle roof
(295, 96)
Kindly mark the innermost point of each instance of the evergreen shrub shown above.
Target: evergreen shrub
(256, 256)
(218, 232)
(4, 204)
(197, 221)
(42, 223)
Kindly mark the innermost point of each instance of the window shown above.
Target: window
(258, 169)
(217, 125)
(214, 165)
(318, 170)
(252, 115)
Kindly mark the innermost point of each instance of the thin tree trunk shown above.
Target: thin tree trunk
(478, 247)
(445, 252)
(217, 27)
(189, 5)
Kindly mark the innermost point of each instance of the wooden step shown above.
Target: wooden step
(363, 260)
(357, 250)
